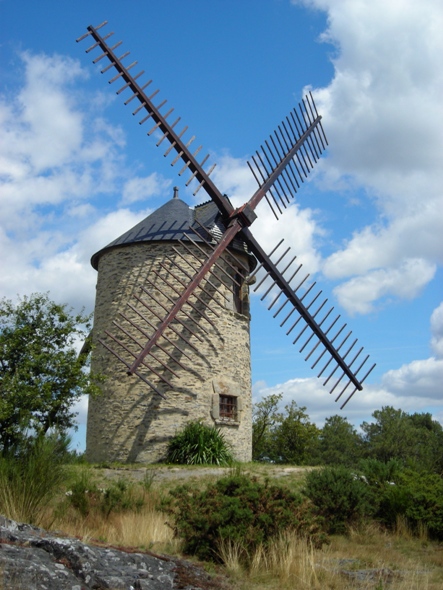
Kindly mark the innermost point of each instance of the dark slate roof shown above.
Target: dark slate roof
(172, 222)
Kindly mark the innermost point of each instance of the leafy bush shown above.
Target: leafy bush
(340, 496)
(199, 444)
(29, 481)
(238, 510)
(380, 474)
(85, 496)
(419, 498)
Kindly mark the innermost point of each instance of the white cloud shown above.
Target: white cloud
(48, 129)
(56, 161)
(320, 404)
(417, 379)
(414, 387)
(437, 331)
(296, 226)
(383, 115)
(81, 409)
(421, 378)
(359, 293)
(139, 189)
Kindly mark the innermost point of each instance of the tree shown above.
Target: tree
(295, 438)
(283, 437)
(416, 440)
(339, 442)
(264, 419)
(41, 374)
(389, 436)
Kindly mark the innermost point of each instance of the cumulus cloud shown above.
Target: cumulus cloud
(310, 393)
(405, 282)
(418, 379)
(421, 378)
(383, 113)
(139, 189)
(297, 227)
(437, 331)
(414, 387)
(57, 158)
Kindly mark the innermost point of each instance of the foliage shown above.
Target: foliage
(199, 444)
(119, 496)
(379, 474)
(295, 438)
(414, 439)
(287, 437)
(41, 374)
(340, 496)
(339, 443)
(264, 419)
(426, 501)
(30, 480)
(418, 498)
(239, 510)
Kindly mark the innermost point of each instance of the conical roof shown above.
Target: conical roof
(172, 222)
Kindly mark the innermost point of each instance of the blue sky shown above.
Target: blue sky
(76, 170)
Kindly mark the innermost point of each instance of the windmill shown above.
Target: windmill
(164, 325)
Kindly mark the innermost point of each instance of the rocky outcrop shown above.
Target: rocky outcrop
(33, 559)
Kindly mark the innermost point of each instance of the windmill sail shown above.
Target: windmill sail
(279, 167)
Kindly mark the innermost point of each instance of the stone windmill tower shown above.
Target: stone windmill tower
(147, 266)
(171, 318)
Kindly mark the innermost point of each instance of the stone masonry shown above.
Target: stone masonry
(128, 421)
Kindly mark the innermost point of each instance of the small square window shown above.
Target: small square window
(228, 407)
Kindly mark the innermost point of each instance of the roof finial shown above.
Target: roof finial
(175, 196)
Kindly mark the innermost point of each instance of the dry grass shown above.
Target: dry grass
(394, 561)
(346, 564)
(145, 528)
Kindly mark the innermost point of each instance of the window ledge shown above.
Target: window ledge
(226, 422)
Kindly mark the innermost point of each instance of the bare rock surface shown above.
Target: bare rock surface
(33, 559)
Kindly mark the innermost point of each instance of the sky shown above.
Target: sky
(76, 169)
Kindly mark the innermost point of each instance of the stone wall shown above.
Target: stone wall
(129, 421)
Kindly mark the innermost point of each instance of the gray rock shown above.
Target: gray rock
(33, 559)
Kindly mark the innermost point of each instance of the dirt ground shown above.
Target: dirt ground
(166, 473)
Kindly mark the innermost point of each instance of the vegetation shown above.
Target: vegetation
(287, 437)
(41, 375)
(415, 440)
(238, 510)
(127, 512)
(375, 494)
(340, 496)
(29, 481)
(199, 444)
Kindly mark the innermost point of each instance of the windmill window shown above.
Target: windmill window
(228, 407)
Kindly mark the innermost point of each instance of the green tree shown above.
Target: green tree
(283, 437)
(295, 438)
(41, 374)
(390, 436)
(265, 417)
(339, 442)
(428, 447)
(416, 440)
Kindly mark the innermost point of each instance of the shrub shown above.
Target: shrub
(380, 474)
(120, 496)
(29, 481)
(339, 495)
(238, 510)
(199, 444)
(419, 498)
